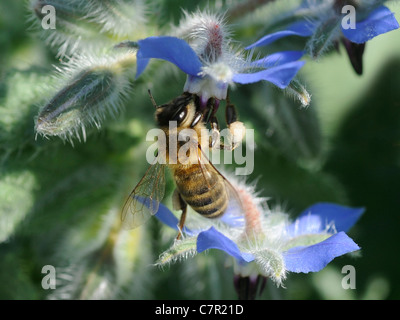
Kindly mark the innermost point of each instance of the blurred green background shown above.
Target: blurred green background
(59, 205)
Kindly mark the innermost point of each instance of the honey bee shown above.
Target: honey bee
(198, 183)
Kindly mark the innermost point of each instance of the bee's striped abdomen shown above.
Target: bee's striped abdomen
(207, 196)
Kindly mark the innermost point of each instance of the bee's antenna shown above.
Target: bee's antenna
(152, 99)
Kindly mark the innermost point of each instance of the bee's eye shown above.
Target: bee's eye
(181, 115)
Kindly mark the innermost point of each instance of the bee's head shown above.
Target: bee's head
(182, 110)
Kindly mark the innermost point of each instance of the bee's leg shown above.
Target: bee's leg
(182, 219)
(179, 204)
(209, 111)
(236, 128)
(214, 106)
(215, 134)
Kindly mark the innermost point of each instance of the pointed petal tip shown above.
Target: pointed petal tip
(213, 239)
(343, 217)
(316, 257)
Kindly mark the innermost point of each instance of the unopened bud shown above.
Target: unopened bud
(298, 91)
(87, 98)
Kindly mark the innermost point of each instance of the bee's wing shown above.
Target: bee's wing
(144, 200)
(235, 206)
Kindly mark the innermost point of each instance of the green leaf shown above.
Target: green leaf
(20, 94)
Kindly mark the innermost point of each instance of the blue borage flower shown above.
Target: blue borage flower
(213, 80)
(373, 21)
(203, 50)
(381, 20)
(264, 242)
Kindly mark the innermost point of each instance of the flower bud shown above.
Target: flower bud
(88, 96)
(299, 92)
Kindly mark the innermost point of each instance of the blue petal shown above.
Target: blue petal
(306, 224)
(278, 58)
(171, 49)
(280, 75)
(316, 257)
(301, 28)
(380, 21)
(168, 218)
(213, 239)
(233, 215)
(141, 64)
(342, 217)
(233, 220)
